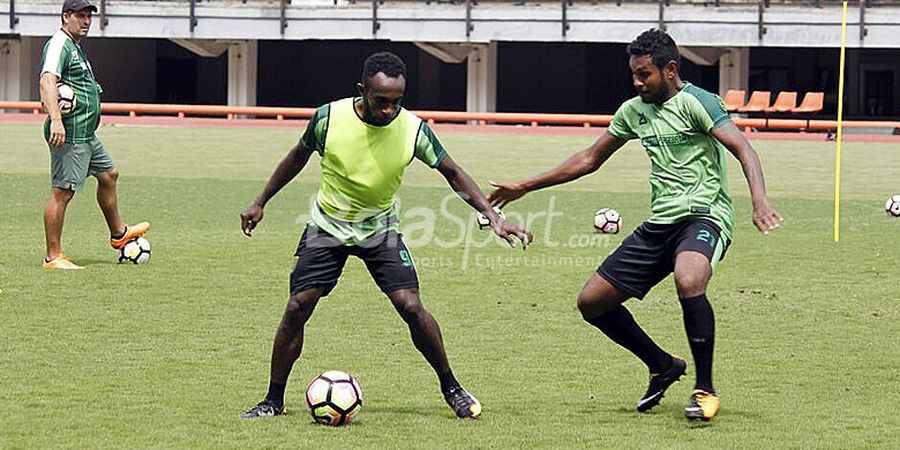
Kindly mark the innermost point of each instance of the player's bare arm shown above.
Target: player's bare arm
(287, 169)
(765, 217)
(578, 165)
(463, 184)
(50, 100)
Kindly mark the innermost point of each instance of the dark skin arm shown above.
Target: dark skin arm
(287, 169)
(765, 217)
(576, 166)
(463, 184)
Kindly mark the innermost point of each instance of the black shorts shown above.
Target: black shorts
(321, 258)
(648, 255)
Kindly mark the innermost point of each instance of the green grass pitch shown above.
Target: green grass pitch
(168, 354)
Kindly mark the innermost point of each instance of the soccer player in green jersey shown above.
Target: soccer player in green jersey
(685, 131)
(365, 144)
(75, 151)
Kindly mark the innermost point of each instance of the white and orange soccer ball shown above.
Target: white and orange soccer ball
(483, 221)
(892, 206)
(135, 251)
(334, 398)
(67, 99)
(608, 221)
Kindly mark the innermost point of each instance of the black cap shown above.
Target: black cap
(78, 5)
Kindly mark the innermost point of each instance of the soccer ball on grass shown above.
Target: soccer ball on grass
(334, 398)
(608, 221)
(135, 251)
(892, 206)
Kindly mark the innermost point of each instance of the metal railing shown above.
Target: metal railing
(479, 118)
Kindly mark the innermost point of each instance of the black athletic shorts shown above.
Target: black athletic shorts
(648, 255)
(321, 258)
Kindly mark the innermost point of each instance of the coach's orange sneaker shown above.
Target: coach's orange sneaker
(131, 232)
(61, 262)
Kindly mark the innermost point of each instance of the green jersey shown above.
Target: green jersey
(362, 167)
(66, 59)
(688, 174)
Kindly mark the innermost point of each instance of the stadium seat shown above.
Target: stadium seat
(813, 102)
(759, 101)
(734, 99)
(784, 103)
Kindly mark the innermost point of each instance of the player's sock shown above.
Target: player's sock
(120, 235)
(620, 326)
(700, 325)
(448, 381)
(276, 392)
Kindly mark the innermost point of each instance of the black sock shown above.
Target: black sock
(620, 326)
(448, 381)
(700, 325)
(276, 392)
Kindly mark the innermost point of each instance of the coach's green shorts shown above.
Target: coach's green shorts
(71, 164)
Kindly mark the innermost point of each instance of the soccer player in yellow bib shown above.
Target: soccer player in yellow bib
(365, 144)
(686, 133)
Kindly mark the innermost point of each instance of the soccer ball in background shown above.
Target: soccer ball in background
(607, 220)
(483, 221)
(67, 98)
(892, 206)
(135, 251)
(334, 398)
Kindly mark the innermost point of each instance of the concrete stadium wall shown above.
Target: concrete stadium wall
(731, 25)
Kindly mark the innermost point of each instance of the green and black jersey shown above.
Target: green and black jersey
(362, 167)
(688, 174)
(66, 59)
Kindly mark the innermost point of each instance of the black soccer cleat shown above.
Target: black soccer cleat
(265, 408)
(659, 383)
(464, 404)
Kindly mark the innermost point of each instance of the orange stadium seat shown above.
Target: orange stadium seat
(784, 103)
(759, 101)
(813, 102)
(734, 99)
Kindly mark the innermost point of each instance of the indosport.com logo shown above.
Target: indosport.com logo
(447, 226)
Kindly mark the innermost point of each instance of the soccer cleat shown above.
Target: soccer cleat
(464, 404)
(659, 383)
(61, 262)
(703, 405)
(265, 408)
(131, 232)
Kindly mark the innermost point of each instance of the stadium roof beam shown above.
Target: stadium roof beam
(703, 56)
(203, 47)
(448, 53)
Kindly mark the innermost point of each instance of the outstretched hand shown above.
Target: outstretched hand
(507, 230)
(251, 216)
(765, 217)
(505, 193)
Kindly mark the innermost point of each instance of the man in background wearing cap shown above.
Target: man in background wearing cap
(75, 151)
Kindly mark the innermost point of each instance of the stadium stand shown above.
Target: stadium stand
(784, 103)
(813, 102)
(759, 101)
(734, 99)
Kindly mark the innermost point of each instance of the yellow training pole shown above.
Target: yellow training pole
(840, 138)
